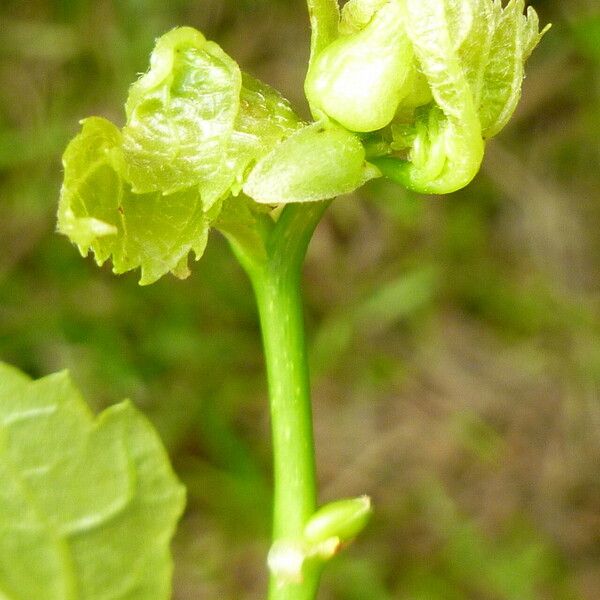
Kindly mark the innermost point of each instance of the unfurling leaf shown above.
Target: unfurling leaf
(99, 211)
(180, 114)
(87, 506)
(145, 196)
(447, 148)
(433, 78)
(514, 39)
(195, 120)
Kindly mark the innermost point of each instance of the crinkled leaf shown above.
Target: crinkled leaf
(447, 147)
(503, 76)
(264, 118)
(471, 54)
(181, 114)
(87, 506)
(145, 196)
(315, 163)
(99, 211)
(474, 52)
(515, 36)
(195, 120)
(460, 16)
(492, 44)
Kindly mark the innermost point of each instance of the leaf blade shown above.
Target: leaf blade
(96, 497)
(180, 114)
(99, 211)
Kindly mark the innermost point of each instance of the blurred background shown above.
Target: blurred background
(455, 341)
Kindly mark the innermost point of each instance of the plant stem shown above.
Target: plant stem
(277, 284)
(324, 18)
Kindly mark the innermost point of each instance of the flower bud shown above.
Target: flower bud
(360, 79)
(342, 520)
(314, 163)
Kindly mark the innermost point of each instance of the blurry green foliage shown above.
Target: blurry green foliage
(586, 32)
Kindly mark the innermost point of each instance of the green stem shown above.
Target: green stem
(276, 280)
(324, 20)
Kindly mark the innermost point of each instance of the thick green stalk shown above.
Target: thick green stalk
(276, 280)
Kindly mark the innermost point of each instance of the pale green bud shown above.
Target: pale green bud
(342, 520)
(325, 533)
(361, 78)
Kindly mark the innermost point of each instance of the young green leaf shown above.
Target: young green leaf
(315, 163)
(99, 211)
(482, 48)
(447, 148)
(439, 75)
(514, 38)
(145, 196)
(180, 114)
(195, 120)
(87, 506)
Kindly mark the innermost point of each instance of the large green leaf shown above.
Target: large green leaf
(87, 506)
